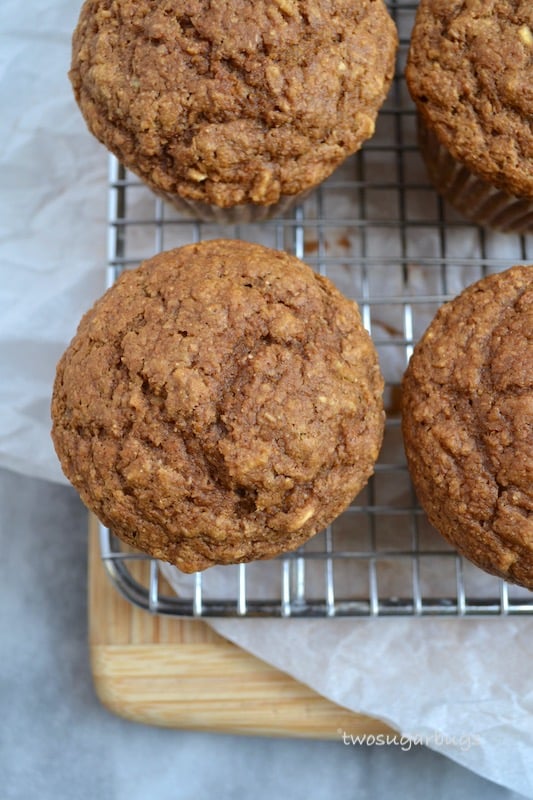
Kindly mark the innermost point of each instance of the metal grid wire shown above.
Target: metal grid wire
(379, 230)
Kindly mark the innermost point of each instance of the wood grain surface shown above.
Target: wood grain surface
(180, 673)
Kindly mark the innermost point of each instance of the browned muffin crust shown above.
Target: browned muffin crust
(232, 102)
(470, 72)
(468, 423)
(221, 403)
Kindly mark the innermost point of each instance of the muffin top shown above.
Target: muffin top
(220, 403)
(470, 72)
(232, 102)
(468, 423)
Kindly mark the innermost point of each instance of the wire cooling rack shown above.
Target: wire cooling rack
(381, 233)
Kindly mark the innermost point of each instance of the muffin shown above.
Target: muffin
(470, 73)
(467, 402)
(220, 403)
(232, 110)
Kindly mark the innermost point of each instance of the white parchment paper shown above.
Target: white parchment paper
(462, 687)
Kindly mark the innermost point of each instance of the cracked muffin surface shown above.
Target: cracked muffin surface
(232, 102)
(470, 73)
(220, 403)
(467, 405)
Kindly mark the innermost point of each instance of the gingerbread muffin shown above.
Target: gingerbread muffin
(220, 403)
(468, 423)
(232, 110)
(470, 73)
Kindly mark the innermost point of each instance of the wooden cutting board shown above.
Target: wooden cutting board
(181, 674)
